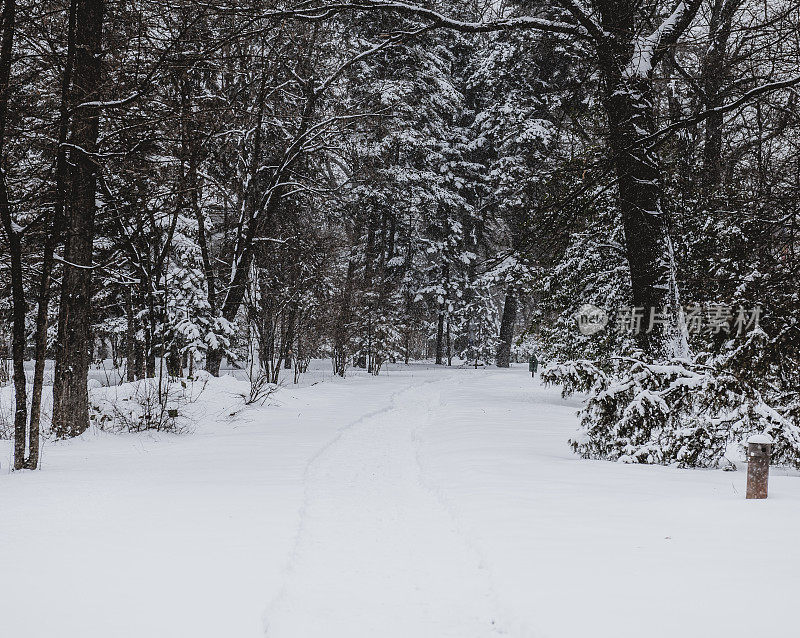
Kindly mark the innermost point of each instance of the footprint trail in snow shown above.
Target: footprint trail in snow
(377, 553)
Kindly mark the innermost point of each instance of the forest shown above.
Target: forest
(194, 186)
(399, 318)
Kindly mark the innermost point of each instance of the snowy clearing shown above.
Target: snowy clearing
(423, 503)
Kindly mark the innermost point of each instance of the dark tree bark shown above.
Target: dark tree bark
(17, 330)
(213, 361)
(440, 327)
(174, 361)
(53, 237)
(440, 339)
(73, 351)
(647, 241)
(150, 337)
(288, 340)
(130, 338)
(507, 322)
(14, 238)
(712, 80)
(626, 67)
(341, 330)
(449, 343)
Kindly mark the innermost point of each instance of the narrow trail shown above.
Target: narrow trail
(375, 545)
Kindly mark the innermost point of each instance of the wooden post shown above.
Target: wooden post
(759, 450)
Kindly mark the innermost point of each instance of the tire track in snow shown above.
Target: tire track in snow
(377, 554)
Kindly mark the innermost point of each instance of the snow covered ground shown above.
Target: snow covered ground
(424, 503)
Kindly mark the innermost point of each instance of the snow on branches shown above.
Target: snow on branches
(692, 414)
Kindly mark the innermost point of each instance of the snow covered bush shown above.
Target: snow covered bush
(147, 404)
(690, 413)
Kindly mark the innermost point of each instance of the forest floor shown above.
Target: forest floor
(423, 503)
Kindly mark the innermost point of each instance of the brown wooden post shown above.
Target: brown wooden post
(759, 450)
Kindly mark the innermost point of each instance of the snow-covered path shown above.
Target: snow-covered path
(424, 503)
(377, 554)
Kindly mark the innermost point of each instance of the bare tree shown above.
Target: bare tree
(73, 349)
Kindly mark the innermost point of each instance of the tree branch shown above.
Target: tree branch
(725, 108)
(312, 11)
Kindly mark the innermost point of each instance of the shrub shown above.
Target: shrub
(689, 413)
(143, 405)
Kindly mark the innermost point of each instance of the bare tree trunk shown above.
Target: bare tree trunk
(130, 339)
(341, 331)
(17, 330)
(440, 339)
(139, 346)
(174, 361)
(449, 344)
(53, 237)
(70, 394)
(712, 79)
(629, 108)
(213, 361)
(628, 102)
(507, 329)
(150, 340)
(288, 340)
(14, 237)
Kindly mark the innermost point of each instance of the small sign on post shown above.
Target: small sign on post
(759, 450)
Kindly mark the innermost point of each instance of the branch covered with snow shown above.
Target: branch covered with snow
(648, 49)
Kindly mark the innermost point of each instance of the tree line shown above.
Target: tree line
(187, 182)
